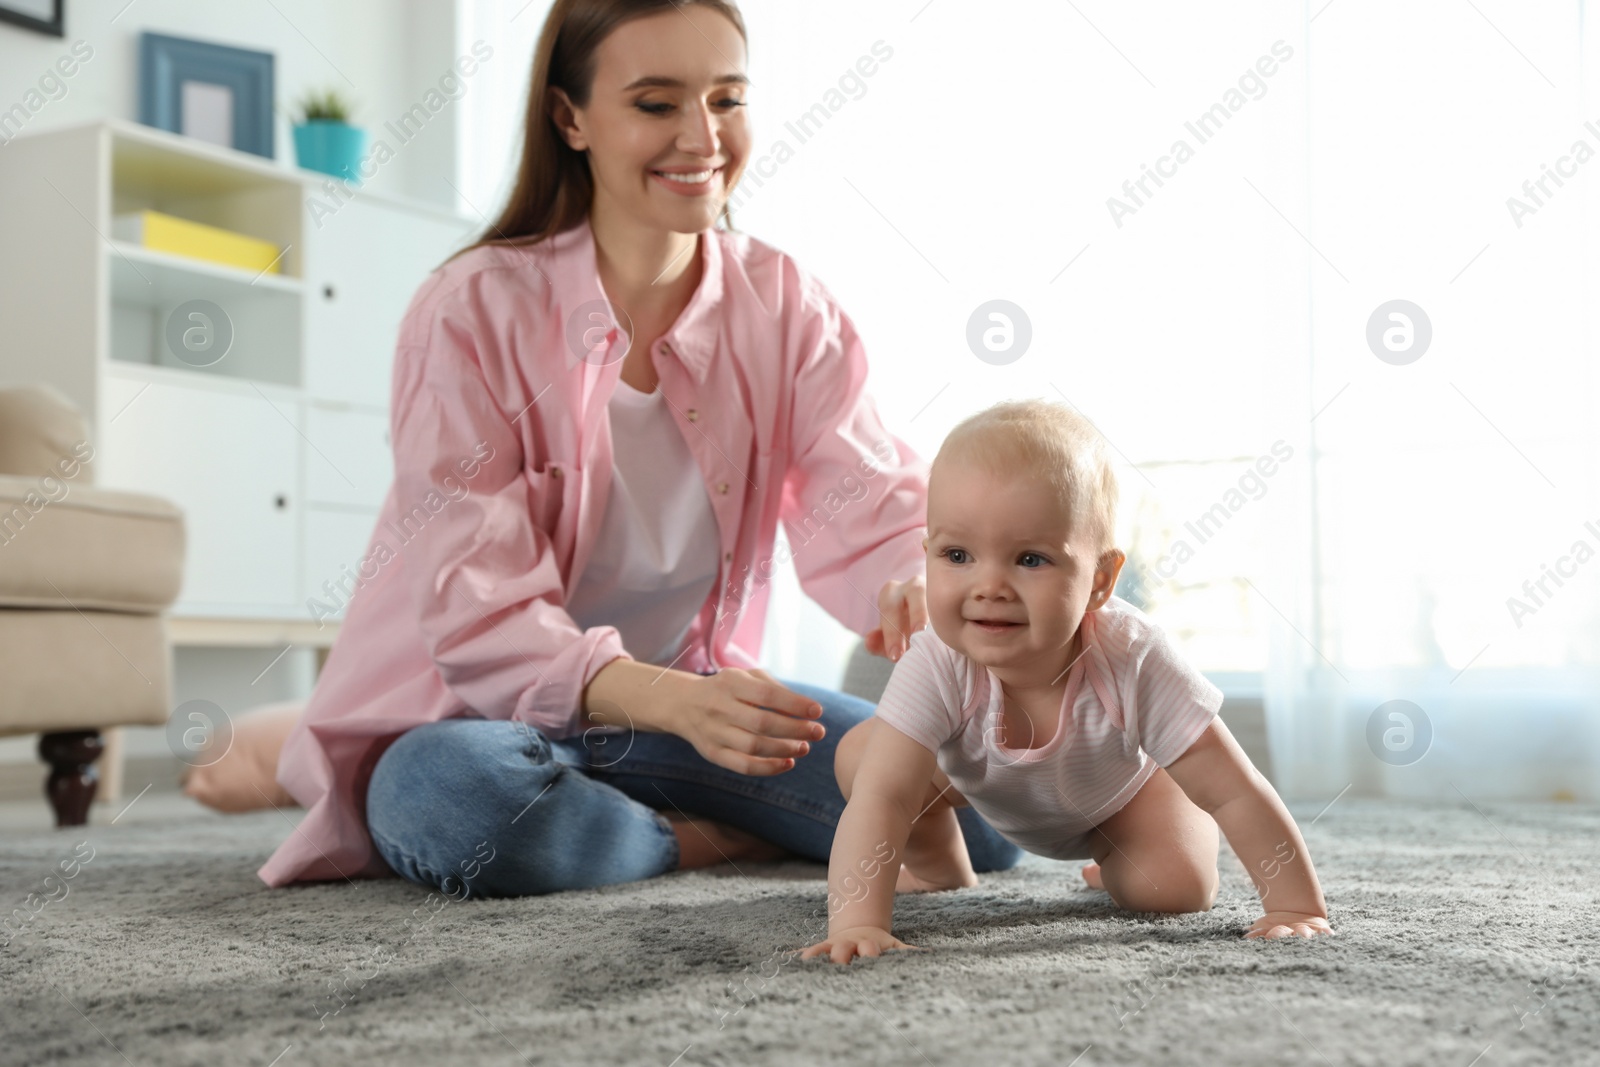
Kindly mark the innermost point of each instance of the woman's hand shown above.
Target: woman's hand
(846, 945)
(902, 611)
(1276, 924)
(725, 717)
(742, 720)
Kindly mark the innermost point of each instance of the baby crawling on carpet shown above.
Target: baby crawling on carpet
(1059, 712)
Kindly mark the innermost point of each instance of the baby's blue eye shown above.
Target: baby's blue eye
(955, 555)
(1038, 560)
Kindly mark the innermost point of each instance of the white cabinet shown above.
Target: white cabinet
(229, 459)
(276, 444)
(347, 477)
(363, 265)
(350, 463)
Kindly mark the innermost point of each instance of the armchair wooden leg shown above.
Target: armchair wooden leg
(71, 755)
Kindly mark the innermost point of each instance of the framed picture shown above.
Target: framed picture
(211, 92)
(42, 16)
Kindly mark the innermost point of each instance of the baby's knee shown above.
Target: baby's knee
(1177, 890)
(1197, 891)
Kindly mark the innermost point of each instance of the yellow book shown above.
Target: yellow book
(180, 237)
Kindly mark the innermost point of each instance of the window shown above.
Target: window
(1203, 217)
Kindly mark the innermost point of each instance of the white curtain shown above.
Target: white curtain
(490, 131)
(1310, 521)
(1443, 485)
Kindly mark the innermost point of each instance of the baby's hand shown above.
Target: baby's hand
(845, 945)
(1275, 924)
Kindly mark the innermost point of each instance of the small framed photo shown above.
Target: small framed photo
(41, 16)
(211, 92)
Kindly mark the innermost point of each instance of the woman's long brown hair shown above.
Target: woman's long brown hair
(554, 188)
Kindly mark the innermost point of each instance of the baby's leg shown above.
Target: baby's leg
(1159, 853)
(936, 853)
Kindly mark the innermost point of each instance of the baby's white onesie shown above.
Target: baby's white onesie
(1131, 704)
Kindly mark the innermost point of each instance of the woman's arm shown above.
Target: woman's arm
(858, 496)
(1217, 775)
(484, 582)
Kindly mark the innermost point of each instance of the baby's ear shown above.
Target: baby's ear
(1108, 568)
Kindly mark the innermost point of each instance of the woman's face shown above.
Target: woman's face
(668, 103)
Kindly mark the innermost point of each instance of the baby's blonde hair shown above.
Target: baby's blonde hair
(1053, 441)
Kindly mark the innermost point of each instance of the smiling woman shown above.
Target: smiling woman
(563, 666)
(575, 106)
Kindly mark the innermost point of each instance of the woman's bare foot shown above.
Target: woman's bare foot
(1091, 875)
(704, 843)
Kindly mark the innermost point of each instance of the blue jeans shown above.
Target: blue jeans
(493, 808)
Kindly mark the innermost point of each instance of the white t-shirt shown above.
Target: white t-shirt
(1131, 704)
(656, 558)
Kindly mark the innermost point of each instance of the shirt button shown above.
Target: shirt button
(727, 557)
(666, 348)
(722, 487)
(691, 414)
(555, 472)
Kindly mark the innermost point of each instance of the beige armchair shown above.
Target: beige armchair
(85, 575)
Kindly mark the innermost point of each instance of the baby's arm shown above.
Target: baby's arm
(870, 843)
(1217, 775)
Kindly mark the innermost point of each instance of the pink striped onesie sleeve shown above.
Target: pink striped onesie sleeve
(1170, 702)
(928, 692)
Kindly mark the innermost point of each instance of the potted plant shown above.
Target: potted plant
(324, 140)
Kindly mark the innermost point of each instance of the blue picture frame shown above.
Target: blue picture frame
(166, 63)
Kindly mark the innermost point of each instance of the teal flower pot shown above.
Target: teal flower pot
(331, 147)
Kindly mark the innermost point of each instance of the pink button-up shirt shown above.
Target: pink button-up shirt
(503, 459)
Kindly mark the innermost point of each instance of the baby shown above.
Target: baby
(1059, 712)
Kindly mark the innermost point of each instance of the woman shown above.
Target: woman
(550, 680)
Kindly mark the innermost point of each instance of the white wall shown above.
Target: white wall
(385, 54)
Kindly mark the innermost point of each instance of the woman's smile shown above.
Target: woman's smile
(689, 182)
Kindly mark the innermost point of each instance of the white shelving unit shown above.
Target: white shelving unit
(278, 452)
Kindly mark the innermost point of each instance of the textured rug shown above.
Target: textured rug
(1465, 937)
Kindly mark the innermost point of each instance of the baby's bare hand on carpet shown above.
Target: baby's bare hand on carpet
(1276, 924)
(846, 945)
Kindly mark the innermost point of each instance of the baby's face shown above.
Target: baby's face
(1008, 583)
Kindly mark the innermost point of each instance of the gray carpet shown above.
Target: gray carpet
(1460, 931)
